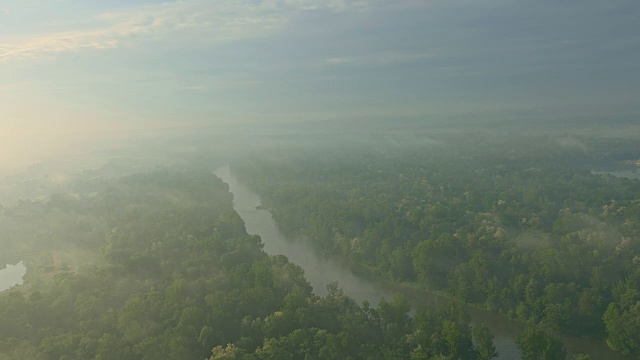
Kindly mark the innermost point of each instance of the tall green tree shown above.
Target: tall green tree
(483, 338)
(537, 344)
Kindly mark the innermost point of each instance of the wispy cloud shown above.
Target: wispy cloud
(218, 84)
(340, 60)
(9, 88)
(69, 41)
(213, 21)
(31, 88)
(379, 59)
(194, 88)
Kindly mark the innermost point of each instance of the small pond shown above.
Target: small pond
(11, 275)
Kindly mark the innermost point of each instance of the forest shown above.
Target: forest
(157, 264)
(160, 266)
(512, 221)
(319, 179)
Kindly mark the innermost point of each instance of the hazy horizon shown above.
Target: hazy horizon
(71, 70)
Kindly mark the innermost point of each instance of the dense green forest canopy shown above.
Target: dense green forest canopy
(172, 274)
(513, 221)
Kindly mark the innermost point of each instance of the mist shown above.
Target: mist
(319, 179)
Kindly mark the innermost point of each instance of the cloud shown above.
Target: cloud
(100, 39)
(219, 84)
(9, 88)
(211, 21)
(195, 88)
(32, 88)
(379, 59)
(340, 60)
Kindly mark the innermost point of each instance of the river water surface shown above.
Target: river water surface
(321, 269)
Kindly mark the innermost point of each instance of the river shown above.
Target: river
(321, 269)
(12, 276)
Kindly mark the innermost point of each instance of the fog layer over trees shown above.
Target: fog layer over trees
(143, 257)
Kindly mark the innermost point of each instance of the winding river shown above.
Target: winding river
(321, 270)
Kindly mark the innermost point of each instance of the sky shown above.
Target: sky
(73, 67)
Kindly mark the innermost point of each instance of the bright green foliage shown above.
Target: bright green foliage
(622, 318)
(446, 332)
(483, 339)
(623, 328)
(536, 344)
